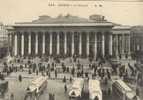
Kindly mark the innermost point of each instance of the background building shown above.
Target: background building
(137, 42)
(3, 40)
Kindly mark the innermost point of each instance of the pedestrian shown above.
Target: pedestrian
(70, 79)
(53, 96)
(55, 73)
(20, 78)
(137, 91)
(64, 79)
(36, 72)
(49, 75)
(12, 96)
(73, 71)
(96, 98)
(65, 87)
(50, 96)
(109, 91)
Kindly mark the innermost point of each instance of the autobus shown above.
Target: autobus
(3, 87)
(37, 86)
(76, 88)
(123, 91)
(95, 92)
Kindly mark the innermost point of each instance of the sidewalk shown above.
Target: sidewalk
(33, 75)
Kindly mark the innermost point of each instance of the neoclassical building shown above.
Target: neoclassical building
(70, 35)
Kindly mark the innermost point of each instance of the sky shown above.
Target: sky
(126, 13)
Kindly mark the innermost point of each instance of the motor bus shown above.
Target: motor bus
(3, 87)
(95, 92)
(76, 88)
(37, 86)
(123, 91)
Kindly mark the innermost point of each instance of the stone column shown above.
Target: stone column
(110, 45)
(87, 45)
(73, 43)
(80, 44)
(15, 45)
(29, 43)
(43, 43)
(22, 44)
(129, 47)
(103, 45)
(36, 43)
(123, 46)
(65, 43)
(117, 45)
(58, 43)
(9, 43)
(50, 43)
(95, 48)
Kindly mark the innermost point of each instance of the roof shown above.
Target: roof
(94, 85)
(68, 20)
(124, 85)
(137, 29)
(121, 27)
(39, 81)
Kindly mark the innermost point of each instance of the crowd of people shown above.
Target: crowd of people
(92, 70)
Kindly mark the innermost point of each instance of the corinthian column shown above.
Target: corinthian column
(95, 48)
(80, 44)
(43, 44)
(36, 43)
(87, 45)
(58, 43)
(117, 45)
(129, 44)
(65, 43)
(123, 46)
(15, 45)
(22, 44)
(29, 43)
(103, 45)
(110, 45)
(50, 43)
(73, 43)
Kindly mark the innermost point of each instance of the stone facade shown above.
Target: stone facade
(68, 36)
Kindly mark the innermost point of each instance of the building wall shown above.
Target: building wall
(137, 41)
(3, 40)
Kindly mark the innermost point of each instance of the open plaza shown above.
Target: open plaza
(69, 57)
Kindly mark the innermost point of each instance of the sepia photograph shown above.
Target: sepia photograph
(71, 50)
